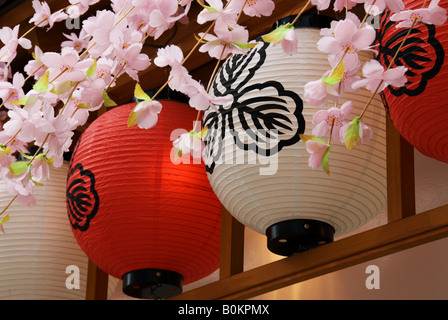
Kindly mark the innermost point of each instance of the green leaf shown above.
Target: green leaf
(305, 138)
(336, 75)
(18, 167)
(91, 71)
(83, 106)
(21, 102)
(140, 94)
(132, 120)
(278, 34)
(4, 149)
(62, 87)
(42, 84)
(352, 135)
(108, 102)
(325, 161)
(5, 219)
(207, 7)
(245, 45)
(177, 153)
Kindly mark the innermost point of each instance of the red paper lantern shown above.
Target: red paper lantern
(136, 214)
(419, 110)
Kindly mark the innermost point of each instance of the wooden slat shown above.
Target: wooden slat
(97, 283)
(400, 175)
(232, 245)
(390, 238)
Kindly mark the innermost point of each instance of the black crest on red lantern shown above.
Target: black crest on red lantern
(422, 54)
(82, 198)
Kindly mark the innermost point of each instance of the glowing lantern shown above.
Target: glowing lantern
(137, 214)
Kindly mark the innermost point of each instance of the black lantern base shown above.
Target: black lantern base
(298, 235)
(152, 284)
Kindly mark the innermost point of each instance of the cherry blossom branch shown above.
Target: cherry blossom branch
(301, 12)
(388, 67)
(359, 28)
(331, 129)
(6, 100)
(8, 205)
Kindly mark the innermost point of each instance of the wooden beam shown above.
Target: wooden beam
(400, 175)
(97, 283)
(232, 245)
(390, 238)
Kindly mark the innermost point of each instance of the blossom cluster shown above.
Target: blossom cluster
(343, 41)
(71, 83)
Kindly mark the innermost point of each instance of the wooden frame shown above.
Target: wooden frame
(404, 229)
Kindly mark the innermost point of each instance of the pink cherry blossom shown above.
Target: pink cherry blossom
(40, 168)
(317, 93)
(325, 120)
(317, 150)
(222, 16)
(180, 79)
(289, 42)
(375, 76)
(36, 67)
(147, 113)
(6, 158)
(190, 143)
(365, 133)
(123, 38)
(132, 60)
(21, 124)
(200, 99)
(92, 93)
(432, 15)
(376, 7)
(350, 76)
(22, 187)
(225, 42)
(253, 8)
(66, 66)
(5, 71)
(77, 42)
(347, 41)
(163, 15)
(170, 55)
(104, 70)
(14, 142)
(122, 6)
(54, 134)
(43, 16)
(80, 115)
(10, 92)
(100, 27)
(321, 4)
(79, 7)
(11, 40)
(339, 5)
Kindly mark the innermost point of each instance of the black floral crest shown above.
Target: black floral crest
(262, 109)
(81, 196)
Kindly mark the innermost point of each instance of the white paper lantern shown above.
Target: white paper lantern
(269, 187)
(38, 245)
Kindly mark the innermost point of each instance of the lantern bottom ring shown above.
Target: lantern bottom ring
(292, 236)
(152, 283)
